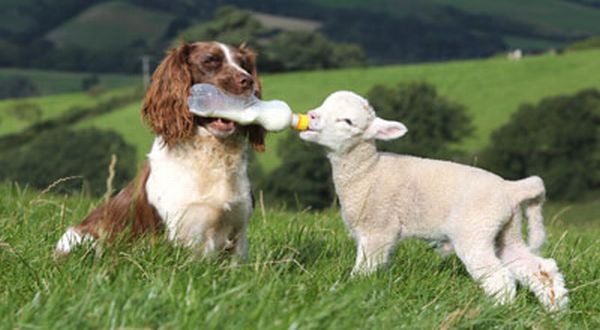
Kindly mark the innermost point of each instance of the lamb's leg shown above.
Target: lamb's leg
(479, 257)
(373, 250)
(539, 274)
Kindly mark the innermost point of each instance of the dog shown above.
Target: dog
(194, 184)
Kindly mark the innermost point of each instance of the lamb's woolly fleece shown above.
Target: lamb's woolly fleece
(385, 197)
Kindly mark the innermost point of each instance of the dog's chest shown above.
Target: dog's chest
(197, 174)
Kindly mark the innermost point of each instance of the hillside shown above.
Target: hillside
(49, 82)
(490, 89)
(111, 35)
(111, 25)
(549, 21)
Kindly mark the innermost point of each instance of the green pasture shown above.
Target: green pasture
(60, 82)
(121, 24)
(297, 277)
(51, 106)
(491, 89)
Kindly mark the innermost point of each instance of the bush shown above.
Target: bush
(287, 50)
(434, 122)
(303, 50)
(17, 86)
(62, 153)
(557, 139)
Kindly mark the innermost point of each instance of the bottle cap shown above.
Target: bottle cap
(302, 122)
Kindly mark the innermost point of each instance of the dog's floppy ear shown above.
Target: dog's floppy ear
(165, 107)
(256, 134)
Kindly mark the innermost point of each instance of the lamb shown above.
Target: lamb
(386, 197)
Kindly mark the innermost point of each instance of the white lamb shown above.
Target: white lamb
(387, 197)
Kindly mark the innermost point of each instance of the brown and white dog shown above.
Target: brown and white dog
(194, 183)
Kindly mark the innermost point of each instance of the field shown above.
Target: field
(297, 277)
(500, 87)
(58, 82)
(550, 17)
(121, 24)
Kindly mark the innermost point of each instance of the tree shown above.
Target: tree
(557, 139)
(229, 25)
(305, 50)
(59, 154)
(434, 122)
(279, 50)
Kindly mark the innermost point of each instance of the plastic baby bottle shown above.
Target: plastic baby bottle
(207, 100)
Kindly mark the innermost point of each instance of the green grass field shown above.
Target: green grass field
(59, 82)
(121, 24)
(52, 106)
(297, 277)
(491, 90)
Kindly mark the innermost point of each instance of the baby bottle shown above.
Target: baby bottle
(207, 100)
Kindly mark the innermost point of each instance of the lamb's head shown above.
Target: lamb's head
(345, 120)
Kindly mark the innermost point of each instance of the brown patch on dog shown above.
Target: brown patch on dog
(129, 209)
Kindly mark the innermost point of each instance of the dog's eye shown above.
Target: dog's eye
(210, 59)
(347, 121)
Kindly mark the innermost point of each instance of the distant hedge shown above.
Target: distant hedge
(84, 154)
(557, 139)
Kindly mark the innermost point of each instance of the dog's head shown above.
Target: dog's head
(231, 69)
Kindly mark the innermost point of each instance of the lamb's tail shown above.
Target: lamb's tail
(530, 194)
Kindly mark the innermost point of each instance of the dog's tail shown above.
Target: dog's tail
(530, 194)
(128, 209)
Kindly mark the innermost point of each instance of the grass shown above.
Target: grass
(59, 82)
(491, 89)
(297, 276)
(127, 122)
(111, 25)
(51, 105)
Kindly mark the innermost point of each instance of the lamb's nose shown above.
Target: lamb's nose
(312, 115)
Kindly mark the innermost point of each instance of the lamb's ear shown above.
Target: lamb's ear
(385, 129)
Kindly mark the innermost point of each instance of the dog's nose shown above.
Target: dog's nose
(245, 81)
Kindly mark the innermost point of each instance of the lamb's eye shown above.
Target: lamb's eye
(347, 121)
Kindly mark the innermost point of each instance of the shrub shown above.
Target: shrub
(59, 154)
(557, 139)
(17, 86)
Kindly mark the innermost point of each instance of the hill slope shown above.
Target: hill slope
(549, 22)
(111, 25)
(490, 89)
